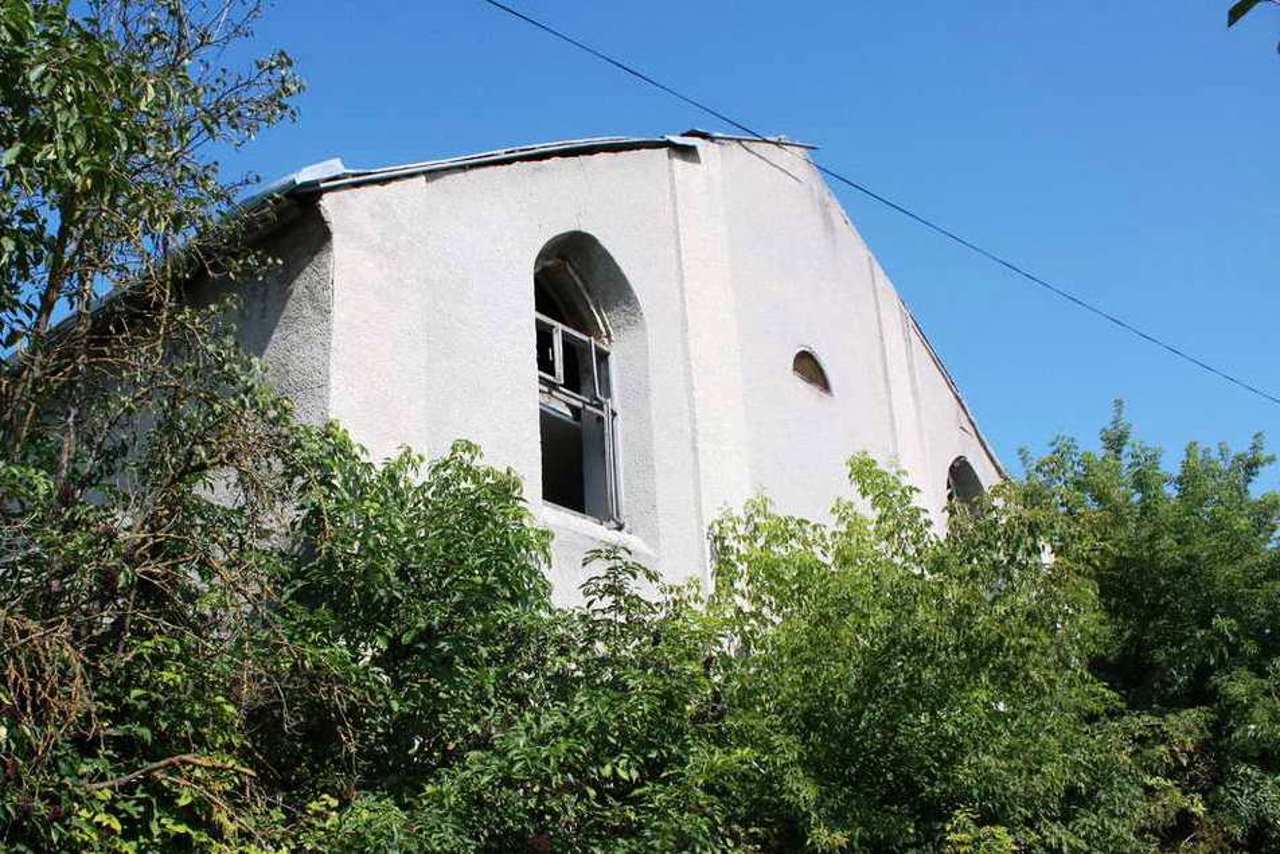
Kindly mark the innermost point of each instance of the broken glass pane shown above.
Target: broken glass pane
(546, 336)
(577, 364)
(602, 373)
(562, 459)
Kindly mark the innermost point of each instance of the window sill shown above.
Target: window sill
(563, 519)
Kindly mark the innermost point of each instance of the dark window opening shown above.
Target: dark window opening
(963, 485)
(559, 295)
(562, 480)
(807, 367)
(545, 301)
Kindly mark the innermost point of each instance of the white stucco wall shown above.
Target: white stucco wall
(433, 330)
(803, 278)
(737, 254)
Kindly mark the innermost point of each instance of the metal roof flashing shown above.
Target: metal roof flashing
(307, 175)
(699, 133)
(332, 174)
(545, 151)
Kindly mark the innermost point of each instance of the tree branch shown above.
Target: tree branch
(181, 759)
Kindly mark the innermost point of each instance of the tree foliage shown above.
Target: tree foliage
(1187, 567)
(251, 637)
(108, 124)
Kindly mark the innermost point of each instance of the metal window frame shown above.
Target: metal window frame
(600, 405)
(557, 348)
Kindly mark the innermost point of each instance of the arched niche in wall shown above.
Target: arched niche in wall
(963, 485)
(806, 366)
(593, 387)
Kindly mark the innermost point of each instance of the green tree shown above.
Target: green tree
(1188, 574)
(126, 594)
(108, 123)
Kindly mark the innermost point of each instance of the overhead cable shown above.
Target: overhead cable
(896, 206)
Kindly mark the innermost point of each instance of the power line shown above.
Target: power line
(902, 209)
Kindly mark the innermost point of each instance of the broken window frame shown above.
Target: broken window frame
(599, 403)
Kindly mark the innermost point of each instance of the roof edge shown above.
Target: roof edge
(321, 171)
(333, 174)
(781, 140)
(955, 389)
(545, 151)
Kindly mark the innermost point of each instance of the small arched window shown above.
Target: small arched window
(806, 366)
(963, 485)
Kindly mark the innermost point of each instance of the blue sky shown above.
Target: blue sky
(1127, 151)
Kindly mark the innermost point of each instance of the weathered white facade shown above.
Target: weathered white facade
(407, 310)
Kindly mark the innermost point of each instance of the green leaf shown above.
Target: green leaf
(1239, 9)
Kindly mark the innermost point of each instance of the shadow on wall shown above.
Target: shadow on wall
(266, 300)
(284, 316)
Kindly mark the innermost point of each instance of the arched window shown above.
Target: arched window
(962, 483)
(577, 418)
(806, 366)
